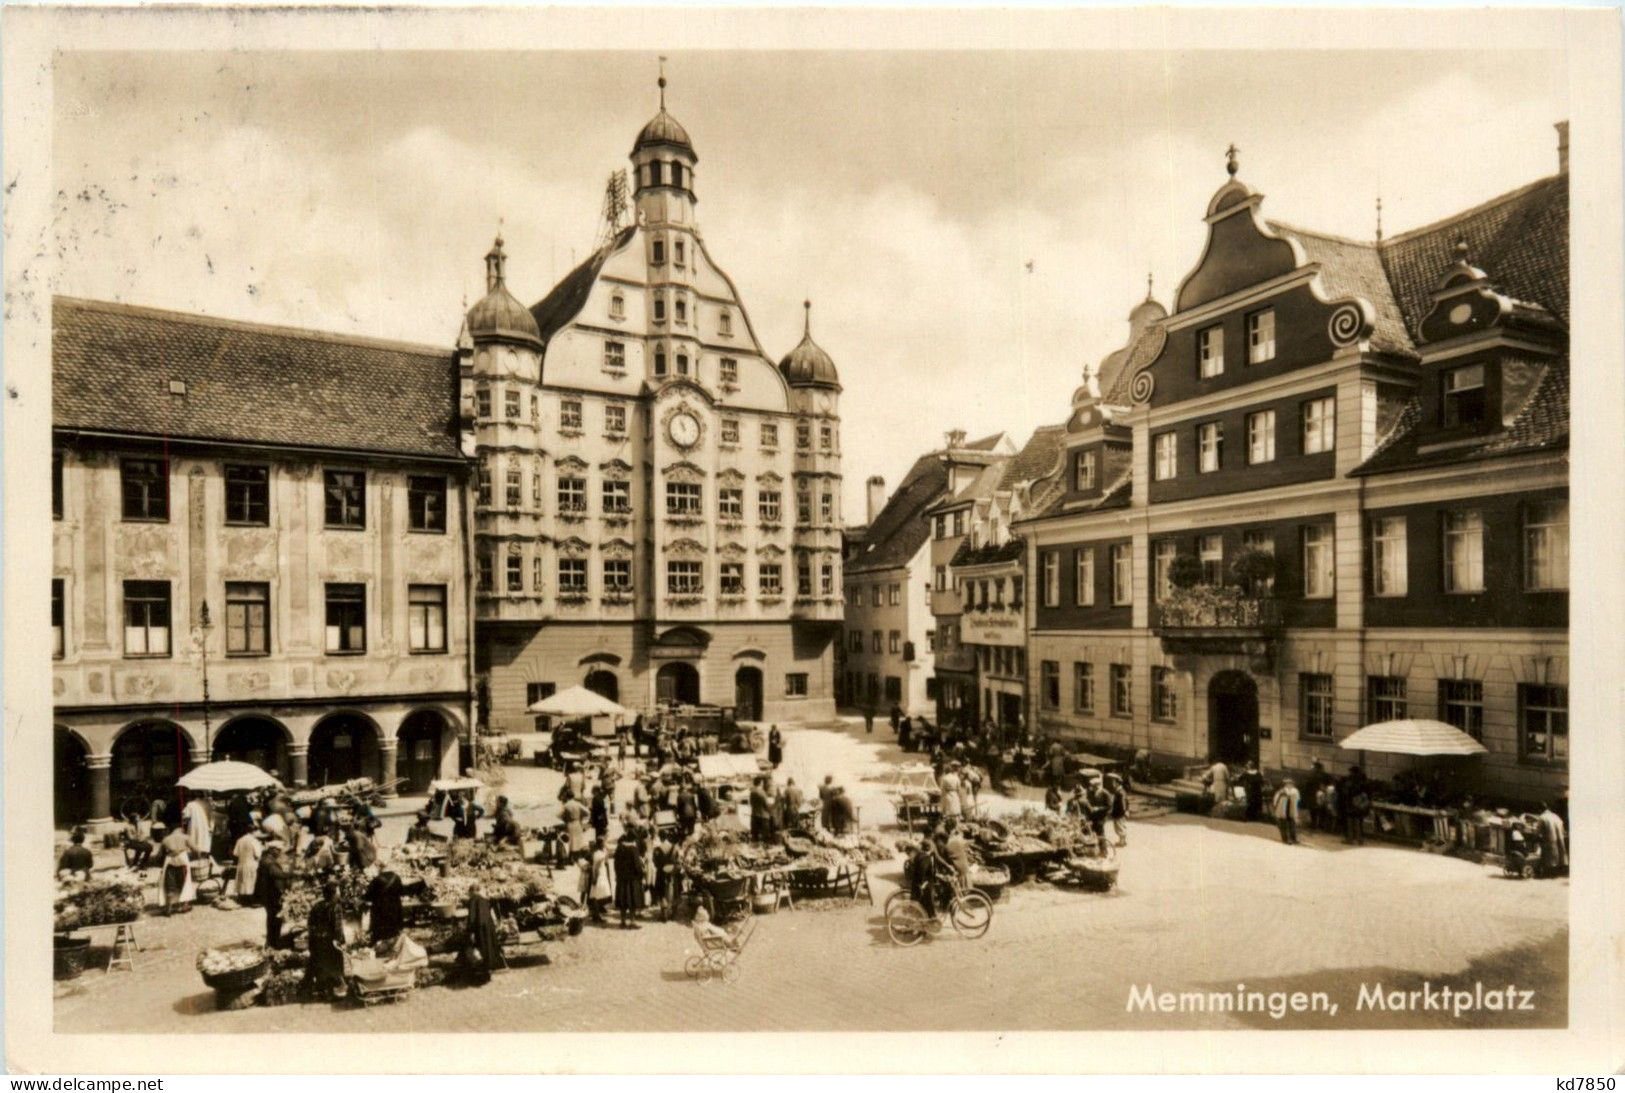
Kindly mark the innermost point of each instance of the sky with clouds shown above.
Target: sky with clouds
(971, 227)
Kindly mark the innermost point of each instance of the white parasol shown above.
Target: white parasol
(1413, 737)
(577, 701)
(227, 776)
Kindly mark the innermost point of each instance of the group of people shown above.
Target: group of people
(1103, 798)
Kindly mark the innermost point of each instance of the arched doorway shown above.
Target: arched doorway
(601, 681)
(147, 758)
(422, 741)
(256, 740)
(678, 683)
(72, 789)
(1232, 717)
(748, 693)
(343, 746)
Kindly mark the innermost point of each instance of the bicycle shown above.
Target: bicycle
(968, 911)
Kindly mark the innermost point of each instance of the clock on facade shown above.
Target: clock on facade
(684, 430)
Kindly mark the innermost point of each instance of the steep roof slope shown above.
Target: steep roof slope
(113, 365)
(901, 529)
(1521, 239)
(555, 310)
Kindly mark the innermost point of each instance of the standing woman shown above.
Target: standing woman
(630, 874)
(178, 890)
(601, 887)
(775, 747)
(247, 852)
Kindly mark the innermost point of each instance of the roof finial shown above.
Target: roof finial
(1148, 286)
(1379, 218)
(806, 322)
(495, 260)
(1230, 163)
(662, 83)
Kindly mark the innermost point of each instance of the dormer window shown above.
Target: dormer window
(1464, 395)
(1261, 336)
(725, 322)
(1083, 471)
(657, 249)
(617, 306)
(1210, 352)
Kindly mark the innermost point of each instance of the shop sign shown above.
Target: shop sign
(992, 628)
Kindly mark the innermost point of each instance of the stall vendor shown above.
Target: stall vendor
(77, 857)
(384, 901)
(325, 931)
(178, 888)
(269, 888)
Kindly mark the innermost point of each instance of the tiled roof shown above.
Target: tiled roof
(986, 444)
(1008, 551)
(1542, 425)
(555, 310)
(1350, 268)
(900, 528)
(1521, 239)
(1036, 459)
(113, 366)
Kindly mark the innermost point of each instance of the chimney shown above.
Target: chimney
(1562, 128)
(877, 496)
(955, 438)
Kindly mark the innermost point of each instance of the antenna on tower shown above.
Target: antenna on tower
(616, 203)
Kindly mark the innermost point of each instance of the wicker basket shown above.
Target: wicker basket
(235, 982)
(70, 956)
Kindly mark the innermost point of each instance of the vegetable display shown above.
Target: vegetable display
(99, 902)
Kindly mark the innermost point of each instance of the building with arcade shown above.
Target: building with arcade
(259, 552)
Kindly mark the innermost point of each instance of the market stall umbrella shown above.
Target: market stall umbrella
(577, 701)
(227, 776)
(1413, 736)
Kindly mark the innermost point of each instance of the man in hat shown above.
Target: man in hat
(1118, 793)
(1285, 809)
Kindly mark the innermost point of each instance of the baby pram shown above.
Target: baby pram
(1524, 858)
(386, 974)
(719, 958)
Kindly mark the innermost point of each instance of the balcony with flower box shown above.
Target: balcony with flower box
(1206, 620)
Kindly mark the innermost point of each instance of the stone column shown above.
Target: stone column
(386, 761)
(200, 756)
(101, 789)
(299, 763)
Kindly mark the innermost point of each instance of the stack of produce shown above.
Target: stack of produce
(98, 902)
(306, 889)
(235, 972)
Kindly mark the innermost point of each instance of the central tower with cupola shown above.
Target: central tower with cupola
(662, 525)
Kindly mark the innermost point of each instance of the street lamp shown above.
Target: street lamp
(201, 639)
